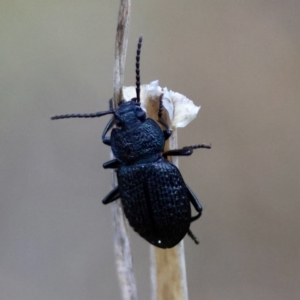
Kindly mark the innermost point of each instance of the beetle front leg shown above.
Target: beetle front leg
(109, 125)
(168, 131)
(112, 196)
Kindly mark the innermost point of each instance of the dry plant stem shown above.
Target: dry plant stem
(121, 238)
(121, 49)
(168, 272)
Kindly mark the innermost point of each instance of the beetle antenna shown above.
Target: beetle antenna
(92, 115)
(137, 69)
(191, 235)
(160, 107)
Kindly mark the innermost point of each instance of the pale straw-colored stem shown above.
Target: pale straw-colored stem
(121, 238)
(168, 272)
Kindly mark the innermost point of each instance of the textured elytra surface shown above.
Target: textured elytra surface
(137, 142)
(155, 201)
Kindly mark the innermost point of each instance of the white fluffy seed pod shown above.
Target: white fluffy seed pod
(180, 110)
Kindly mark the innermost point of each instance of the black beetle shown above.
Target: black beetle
(155, 198)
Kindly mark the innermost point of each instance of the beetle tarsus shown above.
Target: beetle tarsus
(193, 237)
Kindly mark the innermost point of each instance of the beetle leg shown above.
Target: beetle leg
(192, 236)
(195, 202)
(112, 196)
(109, 125)
(178, 152)
(112, 164)
(185, 151)
(168, 131)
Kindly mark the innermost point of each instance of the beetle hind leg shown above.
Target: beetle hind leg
(193, 237)
(112, 196)
(196, 204)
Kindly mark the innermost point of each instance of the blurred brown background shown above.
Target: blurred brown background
(239, 60)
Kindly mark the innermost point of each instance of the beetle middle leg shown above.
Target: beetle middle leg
(185, 151)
